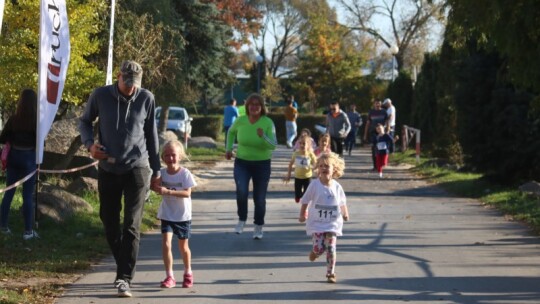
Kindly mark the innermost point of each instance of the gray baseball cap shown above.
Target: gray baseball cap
(131, 73)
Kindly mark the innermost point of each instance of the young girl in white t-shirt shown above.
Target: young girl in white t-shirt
(175, 211)
(324, 207)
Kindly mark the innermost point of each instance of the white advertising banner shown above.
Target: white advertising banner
(54, 52)
(111, 35)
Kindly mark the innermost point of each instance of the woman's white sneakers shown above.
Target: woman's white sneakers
(257, 232)
(239, 227)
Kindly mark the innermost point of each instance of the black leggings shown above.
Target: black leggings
(300, 186)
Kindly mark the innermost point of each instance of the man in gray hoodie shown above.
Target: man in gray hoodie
(337, 126)
(127, 150)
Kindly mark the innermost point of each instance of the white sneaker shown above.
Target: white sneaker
(257, 232)
(239, 227)
(380, 175)
(30, 235)
(123, 289)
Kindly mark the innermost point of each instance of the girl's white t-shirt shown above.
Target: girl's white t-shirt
(324, 212)
(173, 208)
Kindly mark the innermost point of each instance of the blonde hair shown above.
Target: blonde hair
(178, 146)
(255, 98)
(331, 158)
(323, 137)
(306, 139)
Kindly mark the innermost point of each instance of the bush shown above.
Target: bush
(211, 125)
(401, 93)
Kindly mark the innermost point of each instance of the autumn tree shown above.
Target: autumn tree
(410, 22)
(242, 17)
(285, 23)
(328, 64)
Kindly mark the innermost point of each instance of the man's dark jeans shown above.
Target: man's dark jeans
(123, 239)
(259, 172)
(336, 145)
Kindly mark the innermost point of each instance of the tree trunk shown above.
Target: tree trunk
(163, 119)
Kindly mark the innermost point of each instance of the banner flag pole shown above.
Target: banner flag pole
(1, 14)
(108, 81)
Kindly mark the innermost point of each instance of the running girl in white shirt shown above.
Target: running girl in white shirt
(324, 207)
(175, 211)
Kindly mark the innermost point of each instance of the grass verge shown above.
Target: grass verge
(508, 199)
(37, 271)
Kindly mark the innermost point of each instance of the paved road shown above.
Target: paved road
(407, 241)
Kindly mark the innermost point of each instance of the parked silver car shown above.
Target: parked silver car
(179, 121)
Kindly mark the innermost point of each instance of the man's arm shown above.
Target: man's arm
(368, 123)
(388, 120)
(86, 121)
(346, 125)
(152, 141)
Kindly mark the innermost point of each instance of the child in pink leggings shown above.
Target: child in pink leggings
(324, 209)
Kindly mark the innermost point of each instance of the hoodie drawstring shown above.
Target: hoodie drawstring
(117, 111)
(118, 108)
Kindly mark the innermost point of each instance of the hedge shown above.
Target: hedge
(212, 125)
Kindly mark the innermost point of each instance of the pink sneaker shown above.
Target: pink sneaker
(188, 280)
(169, 282)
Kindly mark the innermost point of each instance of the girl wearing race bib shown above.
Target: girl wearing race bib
(303, 161)
(175, 211)
(383, 142)
(324, 209)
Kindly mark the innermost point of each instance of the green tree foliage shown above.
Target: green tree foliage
(445, 143)
(512, 28)
(155, 46)
(423, 113)
(205, 58)
(493, 122)
(202, 38)
(401, 93)
(19, 46)
(481, 116)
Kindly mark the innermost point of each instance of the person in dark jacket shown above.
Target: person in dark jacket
(383, 143)
(356, 121)
(128, 149)
(20, 133)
